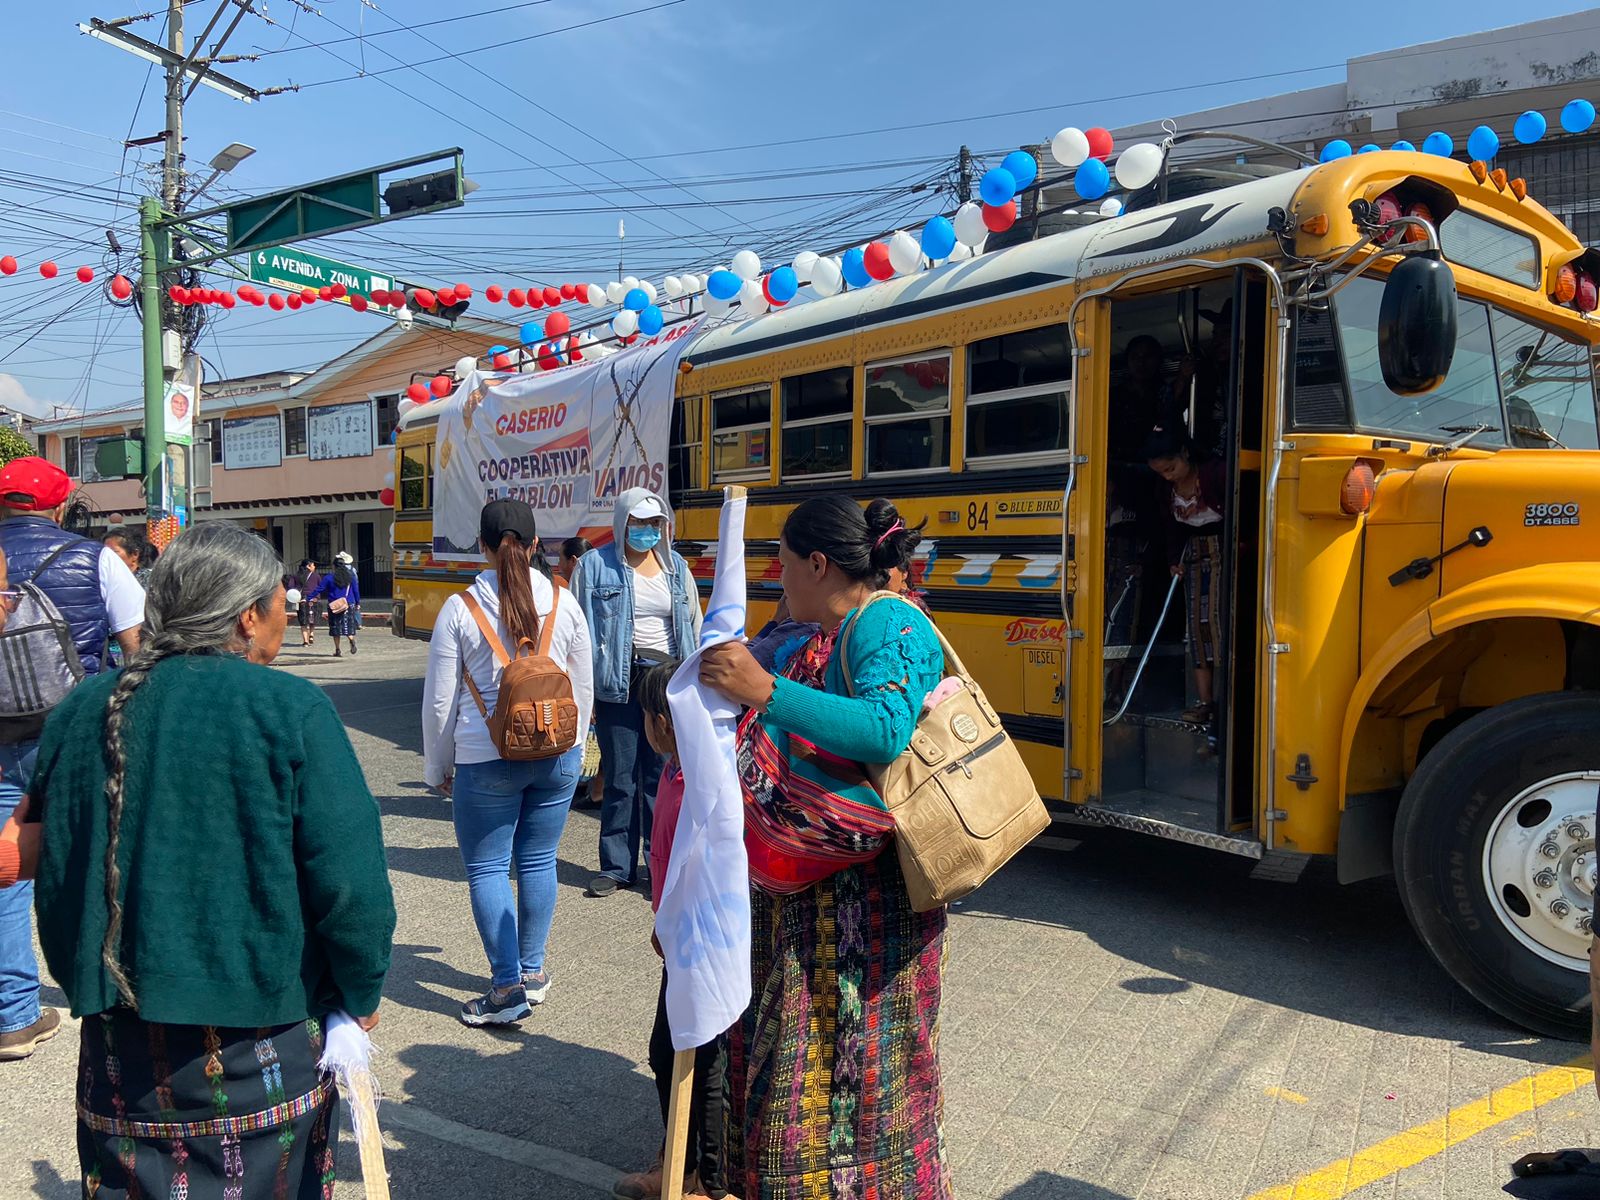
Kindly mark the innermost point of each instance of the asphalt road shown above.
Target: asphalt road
(1125, 1019)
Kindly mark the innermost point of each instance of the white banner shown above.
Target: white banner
(703, 923)
(566, 441)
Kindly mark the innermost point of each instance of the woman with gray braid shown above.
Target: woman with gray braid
(210, 885)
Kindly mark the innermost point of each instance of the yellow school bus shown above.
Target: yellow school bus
(1391, 357)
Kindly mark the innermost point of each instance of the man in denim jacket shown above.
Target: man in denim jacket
(643, 607)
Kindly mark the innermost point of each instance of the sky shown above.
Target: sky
(707, 125)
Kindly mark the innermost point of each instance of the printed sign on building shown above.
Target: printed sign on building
(252, 442)
(340, 430)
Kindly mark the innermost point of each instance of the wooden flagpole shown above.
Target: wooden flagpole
(676, 1159)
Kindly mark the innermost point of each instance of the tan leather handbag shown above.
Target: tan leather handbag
(962, 799)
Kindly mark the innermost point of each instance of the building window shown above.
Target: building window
(388, 416)
(1017, 397)
(908, 415)
(816, 423)
(214, 436)
(1567, 171)
(416, 463)
(69, 456)
(741, 435)
(294, 431)
(683, 460)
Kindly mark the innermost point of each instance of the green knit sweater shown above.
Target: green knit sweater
(255, 891)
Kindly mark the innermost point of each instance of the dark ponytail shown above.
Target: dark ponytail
(513, 560)
(864, 544)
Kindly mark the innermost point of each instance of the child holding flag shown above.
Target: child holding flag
(706, 1133)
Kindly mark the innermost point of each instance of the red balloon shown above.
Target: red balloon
(309, 295)
(295, 302)
(227, 300)
(8, 265)
(502, 362)
(120, 287)
(535, 298)
(440, 385)
(358, 302)
(463, 292)
(386, 497)
(516, 297)
(766, 290)
(324, 293)
(877, 261)
(417, 393)
(557, 323)
(422, 298)
(493, 294)
(568, 292)
(276, 302)
(339, 291)
(552, 296)
(85, 274)
(1100, 143)
(574, 351)
(48, 270)
(547, 357)
(998, 220)
(178, 294)
(380, 297)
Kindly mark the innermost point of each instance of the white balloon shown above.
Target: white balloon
(597, 296)
(649, 289)
(629, 282)
(1138, 166)
(970, 228)
(465, 365)
(292, 596)
(826, 277)
(751, 298)
(404, 407)
(388, 480)
(960, 252)
(747, 265)
(905, 255)
(1111, 207)
(625, 323)
(715, 307)
(803, 262)
(673, 287)
(615, 292)
(1070, 147)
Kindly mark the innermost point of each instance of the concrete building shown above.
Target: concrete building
(298, 456)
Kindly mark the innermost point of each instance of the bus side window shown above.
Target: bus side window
(1016, 403)
(816, 416)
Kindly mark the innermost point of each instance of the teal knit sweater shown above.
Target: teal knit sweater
(254, 882)
(895, 661)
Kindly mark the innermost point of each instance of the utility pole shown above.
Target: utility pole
(155, 324)
(964, 183)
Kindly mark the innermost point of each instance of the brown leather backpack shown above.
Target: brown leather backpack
(535, 715)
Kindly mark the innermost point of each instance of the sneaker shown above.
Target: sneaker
(536, 985)
(21, 1043)
(352, 647)
(603, 885)
(488, 1009)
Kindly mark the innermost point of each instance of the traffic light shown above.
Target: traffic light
(427, 191)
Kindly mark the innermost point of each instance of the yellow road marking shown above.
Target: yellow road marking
(1412, 1146)
(1286, 1094)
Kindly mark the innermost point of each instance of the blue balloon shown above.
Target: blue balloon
(1529, 128)
(1440, 143)
(782, 284)
(724, 285)
(493, 350)
(1336, 149)
(1092, 179)
(1023, 167)
(1369, 148)
(650, 320)
(1402, 144)
(531, 332)
(1577, 116)
(997, 187)
(1483, 143)
(938, 238)
(636, 300)
(854, 267)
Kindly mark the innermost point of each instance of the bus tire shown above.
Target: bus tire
(1495, 828)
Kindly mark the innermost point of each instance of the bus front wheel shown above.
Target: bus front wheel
(1494, 850)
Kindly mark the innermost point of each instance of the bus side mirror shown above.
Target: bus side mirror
(1417, 325)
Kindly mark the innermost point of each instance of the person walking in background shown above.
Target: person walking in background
(342, 590)
(707, 1136)
(305, 612)
(643, 608)
(572, 549)
(211, 885)
(504, 810)
(834, 1085)
(96, 597)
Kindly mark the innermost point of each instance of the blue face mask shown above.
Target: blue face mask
(643, 537)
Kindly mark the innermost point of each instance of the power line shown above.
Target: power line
(364, 37)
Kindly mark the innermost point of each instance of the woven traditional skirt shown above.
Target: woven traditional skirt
(202, 1112)
(834, 1087)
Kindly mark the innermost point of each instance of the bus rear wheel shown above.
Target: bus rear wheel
(1494, 849)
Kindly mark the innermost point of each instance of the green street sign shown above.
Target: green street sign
(288, 267)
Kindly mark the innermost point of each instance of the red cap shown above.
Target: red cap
(33, 485)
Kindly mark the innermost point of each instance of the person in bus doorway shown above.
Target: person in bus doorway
(342, 591)
(643, 608)
(1194, 503)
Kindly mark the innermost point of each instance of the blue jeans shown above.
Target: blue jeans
(632, 770)
(504, 810)
(19, 969)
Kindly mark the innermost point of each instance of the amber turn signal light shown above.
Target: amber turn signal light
(1519, 188)
(1359, 487)
(1566, 286)
(1480, 171)
(1316, 226)
(1499, 177)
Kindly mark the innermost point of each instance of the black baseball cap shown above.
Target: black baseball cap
(500, 517)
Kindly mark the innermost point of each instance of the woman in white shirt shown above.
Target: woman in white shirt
(504, 809)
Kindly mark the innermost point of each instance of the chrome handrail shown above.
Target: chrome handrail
(1127, 697)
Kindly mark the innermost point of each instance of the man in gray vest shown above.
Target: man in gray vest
(98, 598)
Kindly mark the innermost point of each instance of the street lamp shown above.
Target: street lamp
(223, 161)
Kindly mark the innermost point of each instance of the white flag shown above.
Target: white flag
(703, 923)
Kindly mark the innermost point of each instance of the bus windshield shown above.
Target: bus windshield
(1512, 382)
